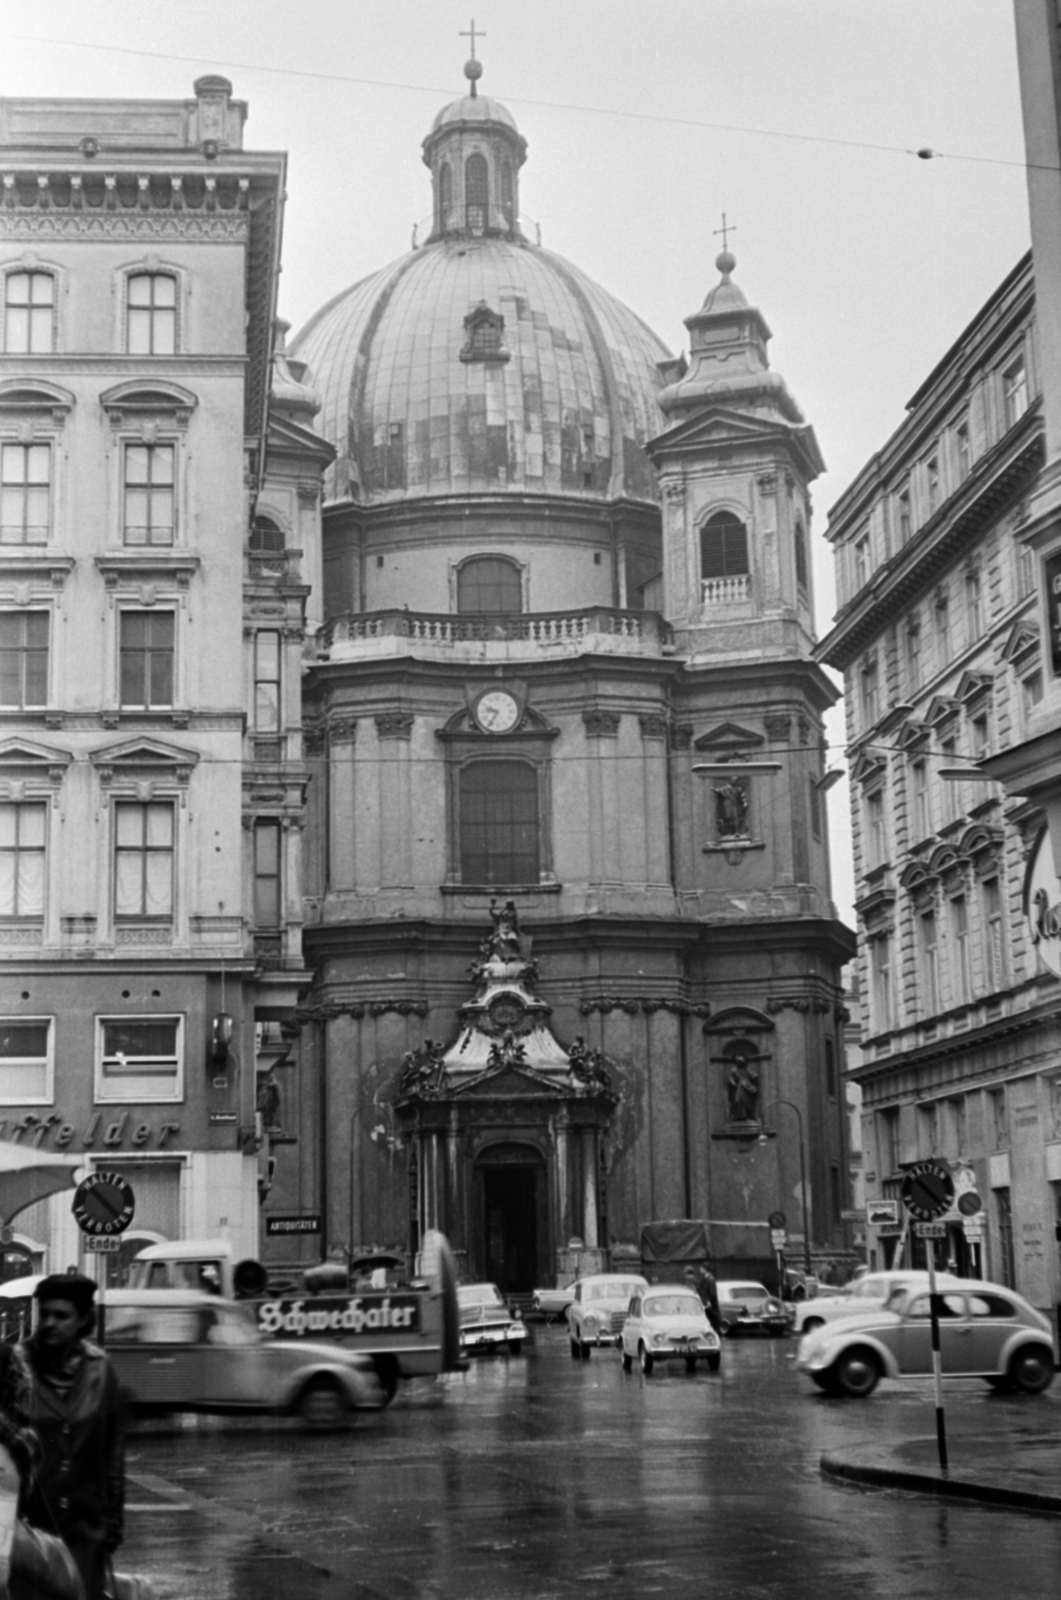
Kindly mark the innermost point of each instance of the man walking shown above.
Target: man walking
(75, 1411)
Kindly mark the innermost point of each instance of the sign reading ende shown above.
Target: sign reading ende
(340, 1314)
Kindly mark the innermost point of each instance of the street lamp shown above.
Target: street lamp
(763, 1139)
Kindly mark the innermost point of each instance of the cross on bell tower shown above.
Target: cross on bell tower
(473, 69)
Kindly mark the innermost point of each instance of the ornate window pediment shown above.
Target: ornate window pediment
(32, 397)
(144, 764)
(25, 761)
(973, 686)
(737, 1020)
(729, 738)
(141, 399)
(941, 709)
(870, 767)
(1022, 643)
(912, 735)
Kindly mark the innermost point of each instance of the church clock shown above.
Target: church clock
(496, 711)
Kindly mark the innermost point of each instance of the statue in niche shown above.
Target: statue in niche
(742, 1088)
(504, 942)
(423, 1070)
(731, 809)
(268, 1104)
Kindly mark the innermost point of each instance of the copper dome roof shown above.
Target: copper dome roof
(560, 403)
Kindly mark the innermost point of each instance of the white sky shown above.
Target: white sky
(866, 261)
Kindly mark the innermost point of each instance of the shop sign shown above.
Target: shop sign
(32, 1129)
(283, 1226)
(882, 1213)
(1042, 903)
(338, 1314)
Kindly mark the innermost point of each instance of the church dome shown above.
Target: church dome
(480, 363)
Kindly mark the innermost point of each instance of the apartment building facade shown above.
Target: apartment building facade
(151, 617)
(937, 636)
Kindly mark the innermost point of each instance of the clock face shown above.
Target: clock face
(497, 711)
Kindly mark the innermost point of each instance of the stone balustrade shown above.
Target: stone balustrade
(719, 592)
(601, 628)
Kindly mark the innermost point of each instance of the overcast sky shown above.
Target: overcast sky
(645, 120)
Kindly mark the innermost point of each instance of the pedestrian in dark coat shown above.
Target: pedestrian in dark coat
(33, 1565)
(76, 1413)
(706, 1287)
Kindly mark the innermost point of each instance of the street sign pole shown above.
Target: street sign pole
(928, 1191)
(937, 1364)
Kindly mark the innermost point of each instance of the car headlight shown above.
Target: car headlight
(591, 1321)
(773, 1307)
(659, 1339)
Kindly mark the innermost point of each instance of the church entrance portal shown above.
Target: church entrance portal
(512, 1190)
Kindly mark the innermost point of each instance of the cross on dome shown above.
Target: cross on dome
(473, 69)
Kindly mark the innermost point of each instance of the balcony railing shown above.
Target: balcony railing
(590, 627)
(726, 591)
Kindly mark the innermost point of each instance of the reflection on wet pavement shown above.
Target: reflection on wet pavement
(531, 1478)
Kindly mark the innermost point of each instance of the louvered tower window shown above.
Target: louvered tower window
(723, 547)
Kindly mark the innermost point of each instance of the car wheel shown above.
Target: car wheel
(1000, 1385)
(809, 1324)
(628, 1361)
(646, 1362)
(515, 1347)
(826, 1381)
(1032, 1369)
(388, 1375)
(776, 1333)
(857, 1373)
(322, 1404)
(575, 1354)
(713, 1363)
(729, 1329)
(583, 1348)
(690, 1363)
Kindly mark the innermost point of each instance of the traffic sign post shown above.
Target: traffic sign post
(928, 1191)
(103, 1204)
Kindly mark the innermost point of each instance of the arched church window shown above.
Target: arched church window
(445, 192)
(266, 538)
(508, 198)
(476, 192)
(801, 555)
(723, 547)
(491, 585)
(499, 823)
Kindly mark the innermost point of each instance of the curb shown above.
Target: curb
(832, 1466)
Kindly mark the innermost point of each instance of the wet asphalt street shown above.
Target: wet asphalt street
(537, 1478)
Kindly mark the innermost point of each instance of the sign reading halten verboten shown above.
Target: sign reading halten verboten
(103, 1204)
(928, 1190)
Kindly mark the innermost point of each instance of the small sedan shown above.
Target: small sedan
(985, 1331)
(175, 1350)
(748, 1307)
(668, 1324)
(486, 1321)
(598, 1310)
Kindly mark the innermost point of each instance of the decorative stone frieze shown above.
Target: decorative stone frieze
(395, 724)
(601, 724)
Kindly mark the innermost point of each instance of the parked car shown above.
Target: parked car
(668, 1323)
(867, 1294)
(598, 1309)
(175, 1350)
(985, 1331)
(485, 1320)
(553, 1303)
(748, 1307)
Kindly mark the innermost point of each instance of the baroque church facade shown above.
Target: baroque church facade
(567, 903)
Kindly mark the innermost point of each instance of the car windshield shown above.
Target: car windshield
(673, 1305)
(744, 1291)
(612, 1291)
(479, 1294)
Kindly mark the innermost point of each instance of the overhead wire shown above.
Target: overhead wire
(923, 153)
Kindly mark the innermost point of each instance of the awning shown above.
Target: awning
(28, 1175)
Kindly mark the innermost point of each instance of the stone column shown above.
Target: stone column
(589, 1188)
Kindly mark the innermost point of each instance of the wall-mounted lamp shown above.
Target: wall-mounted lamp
(827, 779)
(220, 1036)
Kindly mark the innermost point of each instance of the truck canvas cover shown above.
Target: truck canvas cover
(672, 1243)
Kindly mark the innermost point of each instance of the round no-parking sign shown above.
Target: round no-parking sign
(928, 1190)
(104, 1204)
